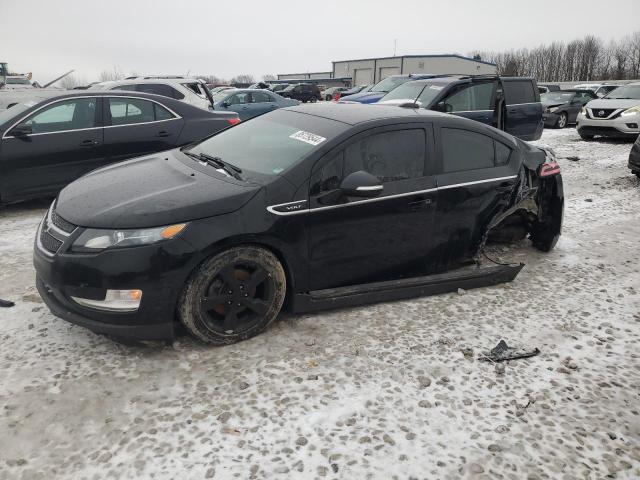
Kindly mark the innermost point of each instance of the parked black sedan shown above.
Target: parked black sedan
(49, 143)
(323, 205)
(563, 106)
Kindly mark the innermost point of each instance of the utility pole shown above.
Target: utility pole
(395, 45)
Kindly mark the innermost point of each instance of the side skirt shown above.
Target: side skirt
(466, 278)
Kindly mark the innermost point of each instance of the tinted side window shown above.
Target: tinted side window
(159, 89)
(125, 111)
(261, 97)
(328, 177)
(465, 150)
(162, 113)
(519, 91)
(239, 99)
(502, 153)
(475, 97)
(68, 115)
(390, 156)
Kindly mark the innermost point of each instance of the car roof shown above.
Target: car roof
(355, 113)
(119, 93)
(133, 81)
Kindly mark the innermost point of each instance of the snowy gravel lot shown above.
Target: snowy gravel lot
(393, 390)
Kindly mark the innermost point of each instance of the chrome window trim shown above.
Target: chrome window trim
(526, 103)
(140, 123)
(107, 97)
(271, 208)
(45, 106)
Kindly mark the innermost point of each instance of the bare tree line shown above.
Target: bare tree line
(588, 58)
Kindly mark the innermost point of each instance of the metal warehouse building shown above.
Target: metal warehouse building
(372, 70)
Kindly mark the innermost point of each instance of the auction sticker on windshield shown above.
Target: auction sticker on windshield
(308, 137)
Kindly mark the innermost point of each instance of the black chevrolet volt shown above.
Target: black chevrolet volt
(308, 207)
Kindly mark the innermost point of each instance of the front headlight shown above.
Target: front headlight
(583, 110)
(95, 240)
(631, 111)
(553, 109)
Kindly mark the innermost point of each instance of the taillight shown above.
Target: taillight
(233, 121)
(336, 96)
(548, 169)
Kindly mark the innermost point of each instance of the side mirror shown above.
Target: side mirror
(225, 104)
(361, 184)
(21, 130)
(444, 107)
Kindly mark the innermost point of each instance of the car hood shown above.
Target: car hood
(553, 104)
(613, 103)
(367, 97)
(151, 191)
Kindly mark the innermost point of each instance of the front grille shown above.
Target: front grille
(48, 241)
(602, 112)
(61, 223)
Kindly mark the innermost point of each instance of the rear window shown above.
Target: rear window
(519, 91)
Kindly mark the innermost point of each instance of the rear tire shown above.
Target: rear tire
(233, 295)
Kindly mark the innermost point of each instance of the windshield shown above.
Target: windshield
(220, 96)
(18, 81)
(389, 84)
(626, 91)
(10, 113)
(556, 97)
(271, 143)
(408, 91)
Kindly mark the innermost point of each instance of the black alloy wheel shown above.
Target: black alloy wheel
(233, 295)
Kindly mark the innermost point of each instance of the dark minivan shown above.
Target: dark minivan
(304, 92)
(511, 104)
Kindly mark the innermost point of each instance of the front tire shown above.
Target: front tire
(562, 120)
(233, 295)
(584, 136)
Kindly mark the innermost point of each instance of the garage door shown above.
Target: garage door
(388, 71)
(363, 76)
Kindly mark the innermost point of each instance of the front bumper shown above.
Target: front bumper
(550, 119)
(626, 126)
(159, 270)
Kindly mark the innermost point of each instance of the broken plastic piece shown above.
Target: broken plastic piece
(502, 352)
(6, 303)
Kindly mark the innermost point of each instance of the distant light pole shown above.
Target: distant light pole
(395, 45)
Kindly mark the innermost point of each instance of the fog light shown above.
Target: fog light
(632, 125)
(114, 301)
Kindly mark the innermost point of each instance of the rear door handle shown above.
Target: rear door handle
(420, 204)
(89, 143)
(163, 133)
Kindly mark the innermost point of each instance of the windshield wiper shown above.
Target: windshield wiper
(216, 162)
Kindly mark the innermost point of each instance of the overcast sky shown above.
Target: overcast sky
(226, 38)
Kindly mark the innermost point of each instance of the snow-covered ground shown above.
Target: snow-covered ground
(392, 390)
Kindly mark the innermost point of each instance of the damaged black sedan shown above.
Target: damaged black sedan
(304, 208)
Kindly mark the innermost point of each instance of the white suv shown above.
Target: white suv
(600, 89)
(615, 115)
(188, 90)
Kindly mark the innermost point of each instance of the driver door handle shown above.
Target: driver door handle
(163, 133)
(89, 143)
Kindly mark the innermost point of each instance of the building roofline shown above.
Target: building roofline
(450, 55)
(306, 73)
